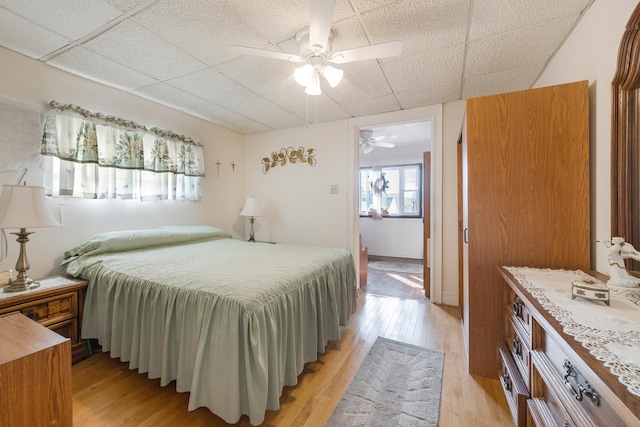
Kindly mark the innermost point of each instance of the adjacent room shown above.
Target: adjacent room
(319, 213)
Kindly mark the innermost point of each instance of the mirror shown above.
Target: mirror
(625, 141)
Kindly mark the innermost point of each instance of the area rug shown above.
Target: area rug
(398, 267)
(398, 384)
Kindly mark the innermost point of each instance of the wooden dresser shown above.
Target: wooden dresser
(35, 374)
(551, 379)
(56, 304)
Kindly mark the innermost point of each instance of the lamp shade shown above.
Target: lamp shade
(25, 206)
(251, 207)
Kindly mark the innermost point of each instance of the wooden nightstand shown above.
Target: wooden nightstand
(56, 304)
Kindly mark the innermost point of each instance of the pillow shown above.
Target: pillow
(126, 240)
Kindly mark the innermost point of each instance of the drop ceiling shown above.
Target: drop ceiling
(177, 52)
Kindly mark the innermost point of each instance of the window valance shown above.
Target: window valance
(92, 155)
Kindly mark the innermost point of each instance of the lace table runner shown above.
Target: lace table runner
(610, 333)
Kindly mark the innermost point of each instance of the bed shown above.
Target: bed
(232, 322)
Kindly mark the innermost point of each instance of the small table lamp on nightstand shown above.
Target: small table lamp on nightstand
(22, 207)
(251, 209)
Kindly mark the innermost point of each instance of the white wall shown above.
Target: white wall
(394, 237)
(590, 53)
(300, 209)
(29, 80)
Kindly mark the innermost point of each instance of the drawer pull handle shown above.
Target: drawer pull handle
(506, 382)
(584, 388)
(517, 307)
(566, 424)
(517, 346)
(31, 314)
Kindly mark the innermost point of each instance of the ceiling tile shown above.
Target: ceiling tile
(325, 114)
(491, 17)
(255, 107)
(438, 94)
(69, 18)
(126, 5)
(372, 106)
(138, 48)
(27, 38)
(507, 81)
(418, 24)
(212, 86)
(364, 5)
(182, 25)
(277, 21)
(361, 84)
(504, 52)
(246, 126)
(426, 70)
(85, 63)
(177, 52)
(294, 99)
(171, 96)
(280, 121)
(270, 77)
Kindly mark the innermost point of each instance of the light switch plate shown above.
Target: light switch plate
(333, 189)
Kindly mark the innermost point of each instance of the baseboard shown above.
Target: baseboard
(450, 298)
(409, 256)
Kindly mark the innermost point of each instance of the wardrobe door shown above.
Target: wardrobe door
(527, 161)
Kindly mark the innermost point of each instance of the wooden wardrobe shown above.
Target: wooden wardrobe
(525, 199)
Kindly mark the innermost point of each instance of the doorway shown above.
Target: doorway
(433, 114)
(394, 193)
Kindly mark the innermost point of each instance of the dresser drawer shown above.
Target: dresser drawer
(519, 348)
(513, 387)
(68, 329)
(520, 313)
(538, 414)
(548, 385)
(49, 311)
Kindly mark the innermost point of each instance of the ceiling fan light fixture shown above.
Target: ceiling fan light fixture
(304, 74)
(313, 88)
(332, 75)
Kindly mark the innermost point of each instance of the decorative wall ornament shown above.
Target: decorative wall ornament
(299, 155)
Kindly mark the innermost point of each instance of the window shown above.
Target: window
(93, 156)
(398, 187)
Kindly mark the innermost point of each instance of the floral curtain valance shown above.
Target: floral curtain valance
(98, 156)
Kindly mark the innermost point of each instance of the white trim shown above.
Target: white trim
(433, 113)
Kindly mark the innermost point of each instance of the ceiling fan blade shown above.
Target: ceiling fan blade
(266, 53)
(320, 25)
(382, 50)
(384, 137)
(384, 144)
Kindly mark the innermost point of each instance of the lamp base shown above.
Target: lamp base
(21, 286)
(22, 282)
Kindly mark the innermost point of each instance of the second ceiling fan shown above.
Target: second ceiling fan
(368, 142)
(315, 50)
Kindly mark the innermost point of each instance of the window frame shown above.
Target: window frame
(419, 190)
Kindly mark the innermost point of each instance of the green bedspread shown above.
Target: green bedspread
(232, 322)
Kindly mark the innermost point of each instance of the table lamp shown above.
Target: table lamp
(22, 207)
(251, 209)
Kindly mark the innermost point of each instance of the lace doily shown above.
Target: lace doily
(611, 334)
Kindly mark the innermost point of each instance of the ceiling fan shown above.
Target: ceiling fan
(368, 142)
(315, 50)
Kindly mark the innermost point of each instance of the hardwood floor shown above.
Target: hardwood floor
(107, 393)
